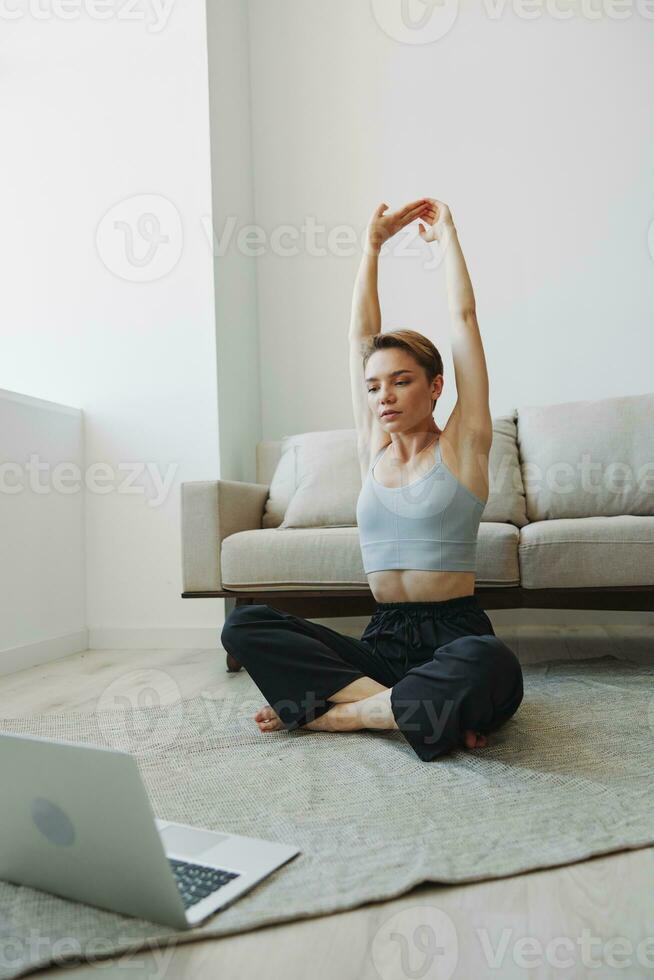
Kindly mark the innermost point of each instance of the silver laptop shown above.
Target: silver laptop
(76, 820)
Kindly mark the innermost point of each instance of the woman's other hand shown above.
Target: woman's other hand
(382, 226)
(437, 219)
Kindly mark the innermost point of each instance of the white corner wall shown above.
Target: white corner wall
(233, 178)
(105, 314)
(42, 566)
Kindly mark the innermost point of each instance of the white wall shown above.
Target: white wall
(42, 571)
(232, 174)
(540, 136)
(94, 113)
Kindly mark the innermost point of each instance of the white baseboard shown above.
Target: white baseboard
(155, 638)
(174, 638)
(34, 654)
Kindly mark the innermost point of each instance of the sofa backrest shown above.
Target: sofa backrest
(301, 468)
(588, 458)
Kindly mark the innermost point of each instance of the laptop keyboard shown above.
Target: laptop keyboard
(196, 881)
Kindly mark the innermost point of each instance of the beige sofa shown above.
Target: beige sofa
(569, 520)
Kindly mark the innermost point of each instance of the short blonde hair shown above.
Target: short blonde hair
(420, 347)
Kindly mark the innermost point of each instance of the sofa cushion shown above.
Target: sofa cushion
(317, 479)
(331, 557)
(586, 552)
(276, 466)
(307, 460)
(328, 480)
(588, 458)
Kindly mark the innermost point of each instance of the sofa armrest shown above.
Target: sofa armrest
(211, 511)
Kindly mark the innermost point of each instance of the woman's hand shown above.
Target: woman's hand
(438, 221)
(382, 226)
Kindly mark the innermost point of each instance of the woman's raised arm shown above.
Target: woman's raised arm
(440, 228)
(365, 318)
(467, 348)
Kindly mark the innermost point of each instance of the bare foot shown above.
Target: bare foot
(473, 740)
(268, 720)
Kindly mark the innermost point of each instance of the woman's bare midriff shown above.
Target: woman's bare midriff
(416, 585)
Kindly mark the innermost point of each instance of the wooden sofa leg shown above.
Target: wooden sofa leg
(233, 664)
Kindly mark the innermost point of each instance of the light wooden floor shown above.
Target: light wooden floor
(585, 919)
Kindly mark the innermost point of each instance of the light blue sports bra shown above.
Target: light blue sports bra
(429, 524)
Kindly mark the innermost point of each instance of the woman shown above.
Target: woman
(428, 663)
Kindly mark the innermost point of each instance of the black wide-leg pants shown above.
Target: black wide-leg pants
(448, 670)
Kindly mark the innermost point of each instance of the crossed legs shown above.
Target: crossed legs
(294, 660)
(365, 703)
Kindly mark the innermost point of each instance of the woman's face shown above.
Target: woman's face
(395, 381)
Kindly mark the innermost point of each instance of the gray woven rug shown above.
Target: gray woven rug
(569, 776)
